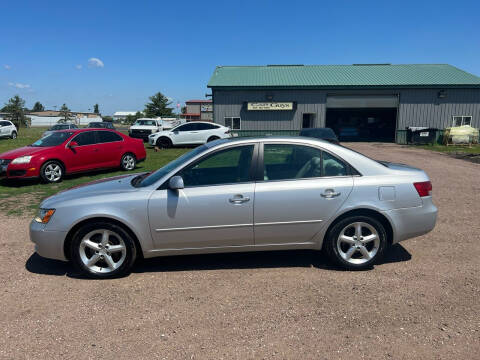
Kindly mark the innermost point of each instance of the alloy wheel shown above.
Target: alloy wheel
(53, 172)
(358, 243)
(102, 251)
(128, 162)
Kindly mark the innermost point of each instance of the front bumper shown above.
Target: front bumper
(48, 244)
(140, 134)
(151, 141)
(19, 171)
(412, 222)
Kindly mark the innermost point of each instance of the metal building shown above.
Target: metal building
(360, 102)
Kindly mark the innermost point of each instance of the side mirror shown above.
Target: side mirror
(73, 144)
(176, 183)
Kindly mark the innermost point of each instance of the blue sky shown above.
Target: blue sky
(173, 47)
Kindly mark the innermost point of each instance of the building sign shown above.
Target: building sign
(206, 108)
(270, 106)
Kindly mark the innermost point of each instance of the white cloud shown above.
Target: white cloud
(19, 85)
(7, 67)
(95, 62)
(78, 67)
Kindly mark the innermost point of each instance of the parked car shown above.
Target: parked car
(101, 125)
(239, 195)
(143, 127)
(70, 151)
(192, 133)
(57, 127)
(320, 133)
(7, 129)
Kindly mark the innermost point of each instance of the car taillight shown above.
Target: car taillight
(423, 188)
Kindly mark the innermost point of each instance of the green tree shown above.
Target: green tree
(65, 113)
(38, 107)
(184, 110)
(130, 119)
(95, 109)
(158, 106)
(15, 107)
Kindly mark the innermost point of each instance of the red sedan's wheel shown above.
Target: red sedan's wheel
(52, 172)
(128, 162)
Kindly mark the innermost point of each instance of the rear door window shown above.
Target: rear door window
(108, 136)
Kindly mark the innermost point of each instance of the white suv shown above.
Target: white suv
(192, 133)
(7, 129)
(143, 127)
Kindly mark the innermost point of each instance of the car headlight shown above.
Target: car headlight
(44, 215)
(22, 160)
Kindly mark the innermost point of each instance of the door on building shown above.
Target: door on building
(308, 121)
(362, 118)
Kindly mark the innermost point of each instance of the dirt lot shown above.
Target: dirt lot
(422, 302)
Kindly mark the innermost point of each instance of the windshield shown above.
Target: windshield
(59, 127)
(53, 139)
(146, 122)
(157, 175)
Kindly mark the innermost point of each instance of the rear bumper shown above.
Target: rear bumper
(412, 222)
(48, 244)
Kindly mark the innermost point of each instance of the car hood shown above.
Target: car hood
(23, 151)
(143, 127)
(116, 184)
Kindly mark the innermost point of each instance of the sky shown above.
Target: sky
(118, 53)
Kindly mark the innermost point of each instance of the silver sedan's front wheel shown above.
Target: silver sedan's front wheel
(103, 250)
(356, 242)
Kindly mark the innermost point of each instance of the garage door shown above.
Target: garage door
(363, 118)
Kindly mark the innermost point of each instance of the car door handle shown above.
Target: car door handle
(239, 199)
(330, 193)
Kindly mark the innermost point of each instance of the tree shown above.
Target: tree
(16, 111)
(38, 107)
(130, 119)
(95, 109)
(184, 110)
(65, 113)
(158, 106)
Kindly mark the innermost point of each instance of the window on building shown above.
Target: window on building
(462, 120)
(233, 123)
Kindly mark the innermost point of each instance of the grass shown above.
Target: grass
(474, 149)
(18, 197)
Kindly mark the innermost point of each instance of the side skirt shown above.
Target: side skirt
(229, 249)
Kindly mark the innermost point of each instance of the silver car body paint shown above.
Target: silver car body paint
(290, 214)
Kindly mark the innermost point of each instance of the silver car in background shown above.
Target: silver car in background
(272, 193)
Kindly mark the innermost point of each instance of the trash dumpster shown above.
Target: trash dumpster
(421, 135)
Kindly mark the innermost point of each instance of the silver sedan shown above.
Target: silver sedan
(240, 195)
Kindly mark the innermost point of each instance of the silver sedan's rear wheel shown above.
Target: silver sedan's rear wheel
(356, 242)
(103, 250)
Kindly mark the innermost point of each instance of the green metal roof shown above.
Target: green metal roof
(373, 75)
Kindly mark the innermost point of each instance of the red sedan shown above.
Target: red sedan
(71, 151)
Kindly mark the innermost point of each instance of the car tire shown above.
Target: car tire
(128, 162)
(52, 172)
(213, 138)
(92, 253)
(164, 143)
(356, 249)
(13, 135)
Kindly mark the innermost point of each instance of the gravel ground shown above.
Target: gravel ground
(421, 302)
